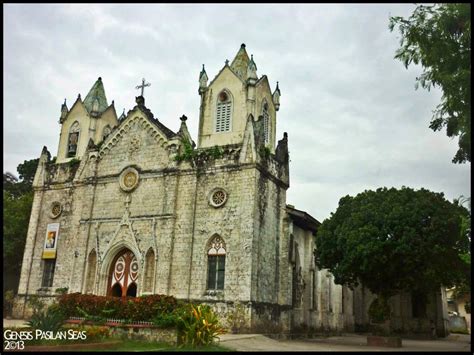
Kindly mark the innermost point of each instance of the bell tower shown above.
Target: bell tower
(91, 119)
(234, 95)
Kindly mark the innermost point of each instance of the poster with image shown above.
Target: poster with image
(51, 241)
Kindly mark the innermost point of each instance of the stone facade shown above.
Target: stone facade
(131, 184)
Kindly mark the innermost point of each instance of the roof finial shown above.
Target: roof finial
(64, 101)
(242, 45)
(227, 62)
(183, 118)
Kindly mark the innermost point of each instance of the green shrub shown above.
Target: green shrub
(144, 308)
(166, 320)
(379, 310)
(459, 331)
(50, 320)
(36, 303)
(198, 326)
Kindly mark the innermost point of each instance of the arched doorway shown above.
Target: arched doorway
(123, 275)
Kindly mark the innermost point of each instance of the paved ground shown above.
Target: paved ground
(346, 342)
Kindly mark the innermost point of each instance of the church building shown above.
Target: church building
(129, 207)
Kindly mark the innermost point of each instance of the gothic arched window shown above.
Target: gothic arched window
(73, 139)
(266, 123)
(224, 112)
(216, 264)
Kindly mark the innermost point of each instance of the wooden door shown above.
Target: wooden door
(123, 275)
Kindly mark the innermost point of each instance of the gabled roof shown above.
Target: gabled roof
(97, 92)
(303, 219)
(141, 105)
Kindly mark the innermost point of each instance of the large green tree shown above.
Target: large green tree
(394, 240)
(17, 202)
(439, 38)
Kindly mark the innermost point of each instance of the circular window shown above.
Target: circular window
(129, 179)
(56, 209)
(218, 198)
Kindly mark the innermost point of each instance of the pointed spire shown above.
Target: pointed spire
(276, 97)
(252, 70)
(122, 116)
(64, 111)
(241, 62)
(203, 78)
(96, 101)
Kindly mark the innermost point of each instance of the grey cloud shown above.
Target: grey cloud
(353, 117)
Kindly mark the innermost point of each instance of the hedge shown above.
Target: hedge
(143, 308)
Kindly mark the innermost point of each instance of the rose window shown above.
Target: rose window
(218, 198)
(129, 179)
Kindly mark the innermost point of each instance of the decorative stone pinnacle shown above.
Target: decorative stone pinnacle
(64, 102)
(183, 118)
(227, 62)
(78, 96)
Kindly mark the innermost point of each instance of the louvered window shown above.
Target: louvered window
(224, 112)
(266, 123)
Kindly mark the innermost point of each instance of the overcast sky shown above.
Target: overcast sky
(353, 117)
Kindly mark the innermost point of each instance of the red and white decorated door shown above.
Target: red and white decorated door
(123, 275)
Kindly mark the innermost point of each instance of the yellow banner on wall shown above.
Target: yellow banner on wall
(51, 241)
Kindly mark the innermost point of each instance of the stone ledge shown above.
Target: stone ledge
(391, 342)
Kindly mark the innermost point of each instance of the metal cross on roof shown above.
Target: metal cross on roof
(142, 86)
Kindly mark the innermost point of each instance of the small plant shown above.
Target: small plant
(61, 290)
(215, 152)
(91, 318)
(166, 320)
(74, 162)
(50, 320)
(198, 326)
(264, 152)
(188, 154)
(36, 303)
